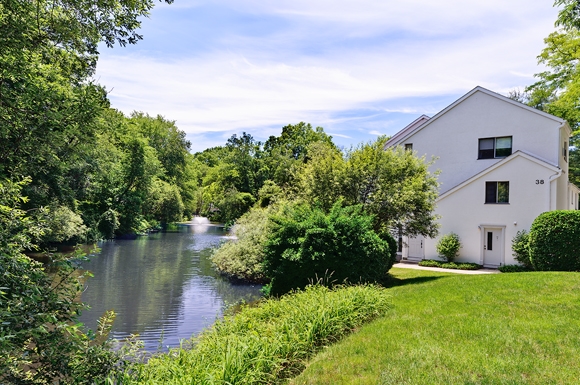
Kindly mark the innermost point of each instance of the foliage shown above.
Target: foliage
(514, 268)
(306, 245)
(448, 246)
(393, 185)
(40, 341)
(320, 181)
(285, 154)
(521, 249)
(243, 258)
(463, 329)
(270, 342)
(164, 202)
(557, 90)
(569, 15)
(63, 225)
(450, 265)
(554, 242)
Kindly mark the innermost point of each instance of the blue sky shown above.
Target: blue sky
(357, 68)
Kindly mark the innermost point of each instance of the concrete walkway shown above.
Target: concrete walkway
(407, 265)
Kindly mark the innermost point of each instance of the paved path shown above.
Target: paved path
(417, 267)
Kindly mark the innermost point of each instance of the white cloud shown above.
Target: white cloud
(310, 71)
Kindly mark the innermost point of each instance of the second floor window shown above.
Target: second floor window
(497, 192)
(490, 148)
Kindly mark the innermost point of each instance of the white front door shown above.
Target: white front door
(492, 247)
(416, 249)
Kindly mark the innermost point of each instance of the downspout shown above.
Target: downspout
(553, 178)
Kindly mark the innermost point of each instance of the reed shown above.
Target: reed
(271, 342)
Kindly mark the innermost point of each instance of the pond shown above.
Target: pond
(161, 286)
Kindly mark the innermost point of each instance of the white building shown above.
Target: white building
(501, 164)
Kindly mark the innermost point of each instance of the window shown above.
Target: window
(409, 146)
(497, 192)
(490, 148)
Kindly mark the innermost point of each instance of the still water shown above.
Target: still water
(161, 286)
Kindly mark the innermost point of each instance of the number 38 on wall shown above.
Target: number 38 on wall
(539, 181)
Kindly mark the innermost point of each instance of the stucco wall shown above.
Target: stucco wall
(454, 136)
(464, 210)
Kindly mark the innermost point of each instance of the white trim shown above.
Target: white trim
(409, 127)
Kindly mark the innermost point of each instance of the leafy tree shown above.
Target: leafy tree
(320, 181)
(40, 341)
(48, 52)
(394, 186)
(168, 141)
(557, 90)
(286, 153)
(569, 15)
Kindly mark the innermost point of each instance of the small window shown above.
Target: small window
(409, 146)
(497, 192)
(490, 148)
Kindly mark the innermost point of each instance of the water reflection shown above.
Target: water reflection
(162, 286)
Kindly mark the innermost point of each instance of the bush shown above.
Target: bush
(306, 244)
(243, 258)
(513, 269)
(448, 246)
(555, 241)
(521, 249)
(271, 342)
(450, 265)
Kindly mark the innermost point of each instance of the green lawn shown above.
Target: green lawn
(520, 328)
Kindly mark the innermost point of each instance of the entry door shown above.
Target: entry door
(492, 247)
(416, 249)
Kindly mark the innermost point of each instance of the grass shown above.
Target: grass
(268, 343)
(520, 328)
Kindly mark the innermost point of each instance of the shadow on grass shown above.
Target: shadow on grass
(392, 281)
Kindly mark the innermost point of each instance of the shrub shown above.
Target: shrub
(430, 263)
(450, 265)
(243, 258)
(521, 249)
(448, 246)
(306, 244)
(555, 241)
(271, 342)
(513, 268)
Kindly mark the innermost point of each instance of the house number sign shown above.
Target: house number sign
(539, 181)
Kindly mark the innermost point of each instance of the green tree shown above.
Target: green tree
(320, 180)
(40, 341)
(557, 90)
(393, 185)
(286, 153)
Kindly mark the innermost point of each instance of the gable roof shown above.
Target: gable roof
(409, 128)
(519, 153)
(413, 127)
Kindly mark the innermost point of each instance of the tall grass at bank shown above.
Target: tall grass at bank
(520, 328)
(270, 342)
